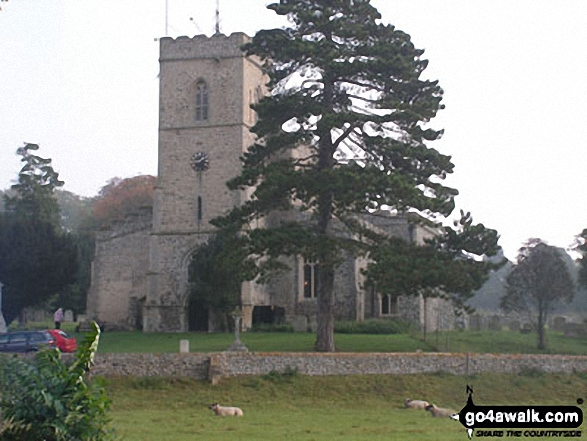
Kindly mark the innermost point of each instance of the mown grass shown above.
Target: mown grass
(258, 342)
(319, 408)
(449, 341)
(452, 341)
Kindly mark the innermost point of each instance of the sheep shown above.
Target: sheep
(439, 412)
(225, 411)
(415, 404)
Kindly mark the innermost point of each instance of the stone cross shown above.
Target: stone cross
(238, 345)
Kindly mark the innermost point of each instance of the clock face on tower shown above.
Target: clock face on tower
(200, 162)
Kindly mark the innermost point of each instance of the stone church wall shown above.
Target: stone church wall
(119, 276)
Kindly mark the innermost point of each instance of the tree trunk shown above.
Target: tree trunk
(541, 331)
(325, 318)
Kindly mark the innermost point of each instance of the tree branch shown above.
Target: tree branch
(344, 135)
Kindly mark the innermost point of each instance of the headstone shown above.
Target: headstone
(300, 323)
(514, 325)
(81, 318)
(314, 324)
(526, 328)
(2, 322)
(475, 322)
(68, 316)
(460, 323)
(495, 323)
(184, 346)
(575, 330)
(558, 324)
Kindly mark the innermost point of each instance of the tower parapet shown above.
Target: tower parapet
(202, 47)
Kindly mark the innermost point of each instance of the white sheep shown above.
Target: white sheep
(439, 412)
(225, 411)
(415, 404)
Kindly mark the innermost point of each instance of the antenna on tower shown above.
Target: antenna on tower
(218, 16)
(166, 18)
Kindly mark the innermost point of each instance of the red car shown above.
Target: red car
(63, 341)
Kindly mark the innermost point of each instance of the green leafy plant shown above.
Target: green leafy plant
(272, 327)
(373, 326)
(46, 398)
(287, 375)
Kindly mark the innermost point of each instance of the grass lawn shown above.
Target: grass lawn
(448, 341)
(258, 342)
(451, 341)
(352, 408)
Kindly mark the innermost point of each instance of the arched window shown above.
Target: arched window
(310, 280)
(389, 305)
(201, 101)
(385, 306)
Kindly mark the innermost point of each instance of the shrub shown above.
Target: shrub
(532, 372)
(46, 399)
(268, 327)
(288, 374)
(372, 326)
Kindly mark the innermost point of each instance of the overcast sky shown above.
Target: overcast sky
(80, 79)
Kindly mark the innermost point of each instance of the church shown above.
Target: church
(140, 269)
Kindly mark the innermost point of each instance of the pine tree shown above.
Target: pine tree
(34, 192)
(343, 131)
(37, 258)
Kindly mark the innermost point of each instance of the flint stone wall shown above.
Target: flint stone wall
(214, 366)
(152, 365)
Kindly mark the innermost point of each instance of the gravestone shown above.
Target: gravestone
(475, 322)
(2, 322)
(314, 324)
(184, 346)
(514, 325)
(460, 323)
(300, 323)
(575, 330)
(526, 328)
(68, 316)
(558, 324)
(495, 323)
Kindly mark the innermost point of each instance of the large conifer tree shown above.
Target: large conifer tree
(37, 258)
(342, 131)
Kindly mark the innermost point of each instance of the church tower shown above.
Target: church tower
(206, 88)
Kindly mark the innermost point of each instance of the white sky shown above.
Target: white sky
(80, 79)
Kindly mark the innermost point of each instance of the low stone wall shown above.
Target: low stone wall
(152, 365)
(215, 366)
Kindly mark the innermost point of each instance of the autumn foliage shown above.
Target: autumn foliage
(123, 197)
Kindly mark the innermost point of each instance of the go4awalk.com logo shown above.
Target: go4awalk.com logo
(520, 421)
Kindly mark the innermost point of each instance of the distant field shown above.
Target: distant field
(301, 408)
(454, 341)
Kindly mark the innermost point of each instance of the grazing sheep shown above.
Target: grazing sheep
(225, 411)
(415, 404)
(439, 412)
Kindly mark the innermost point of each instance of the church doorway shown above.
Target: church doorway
(214, 290)
(197, 315)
